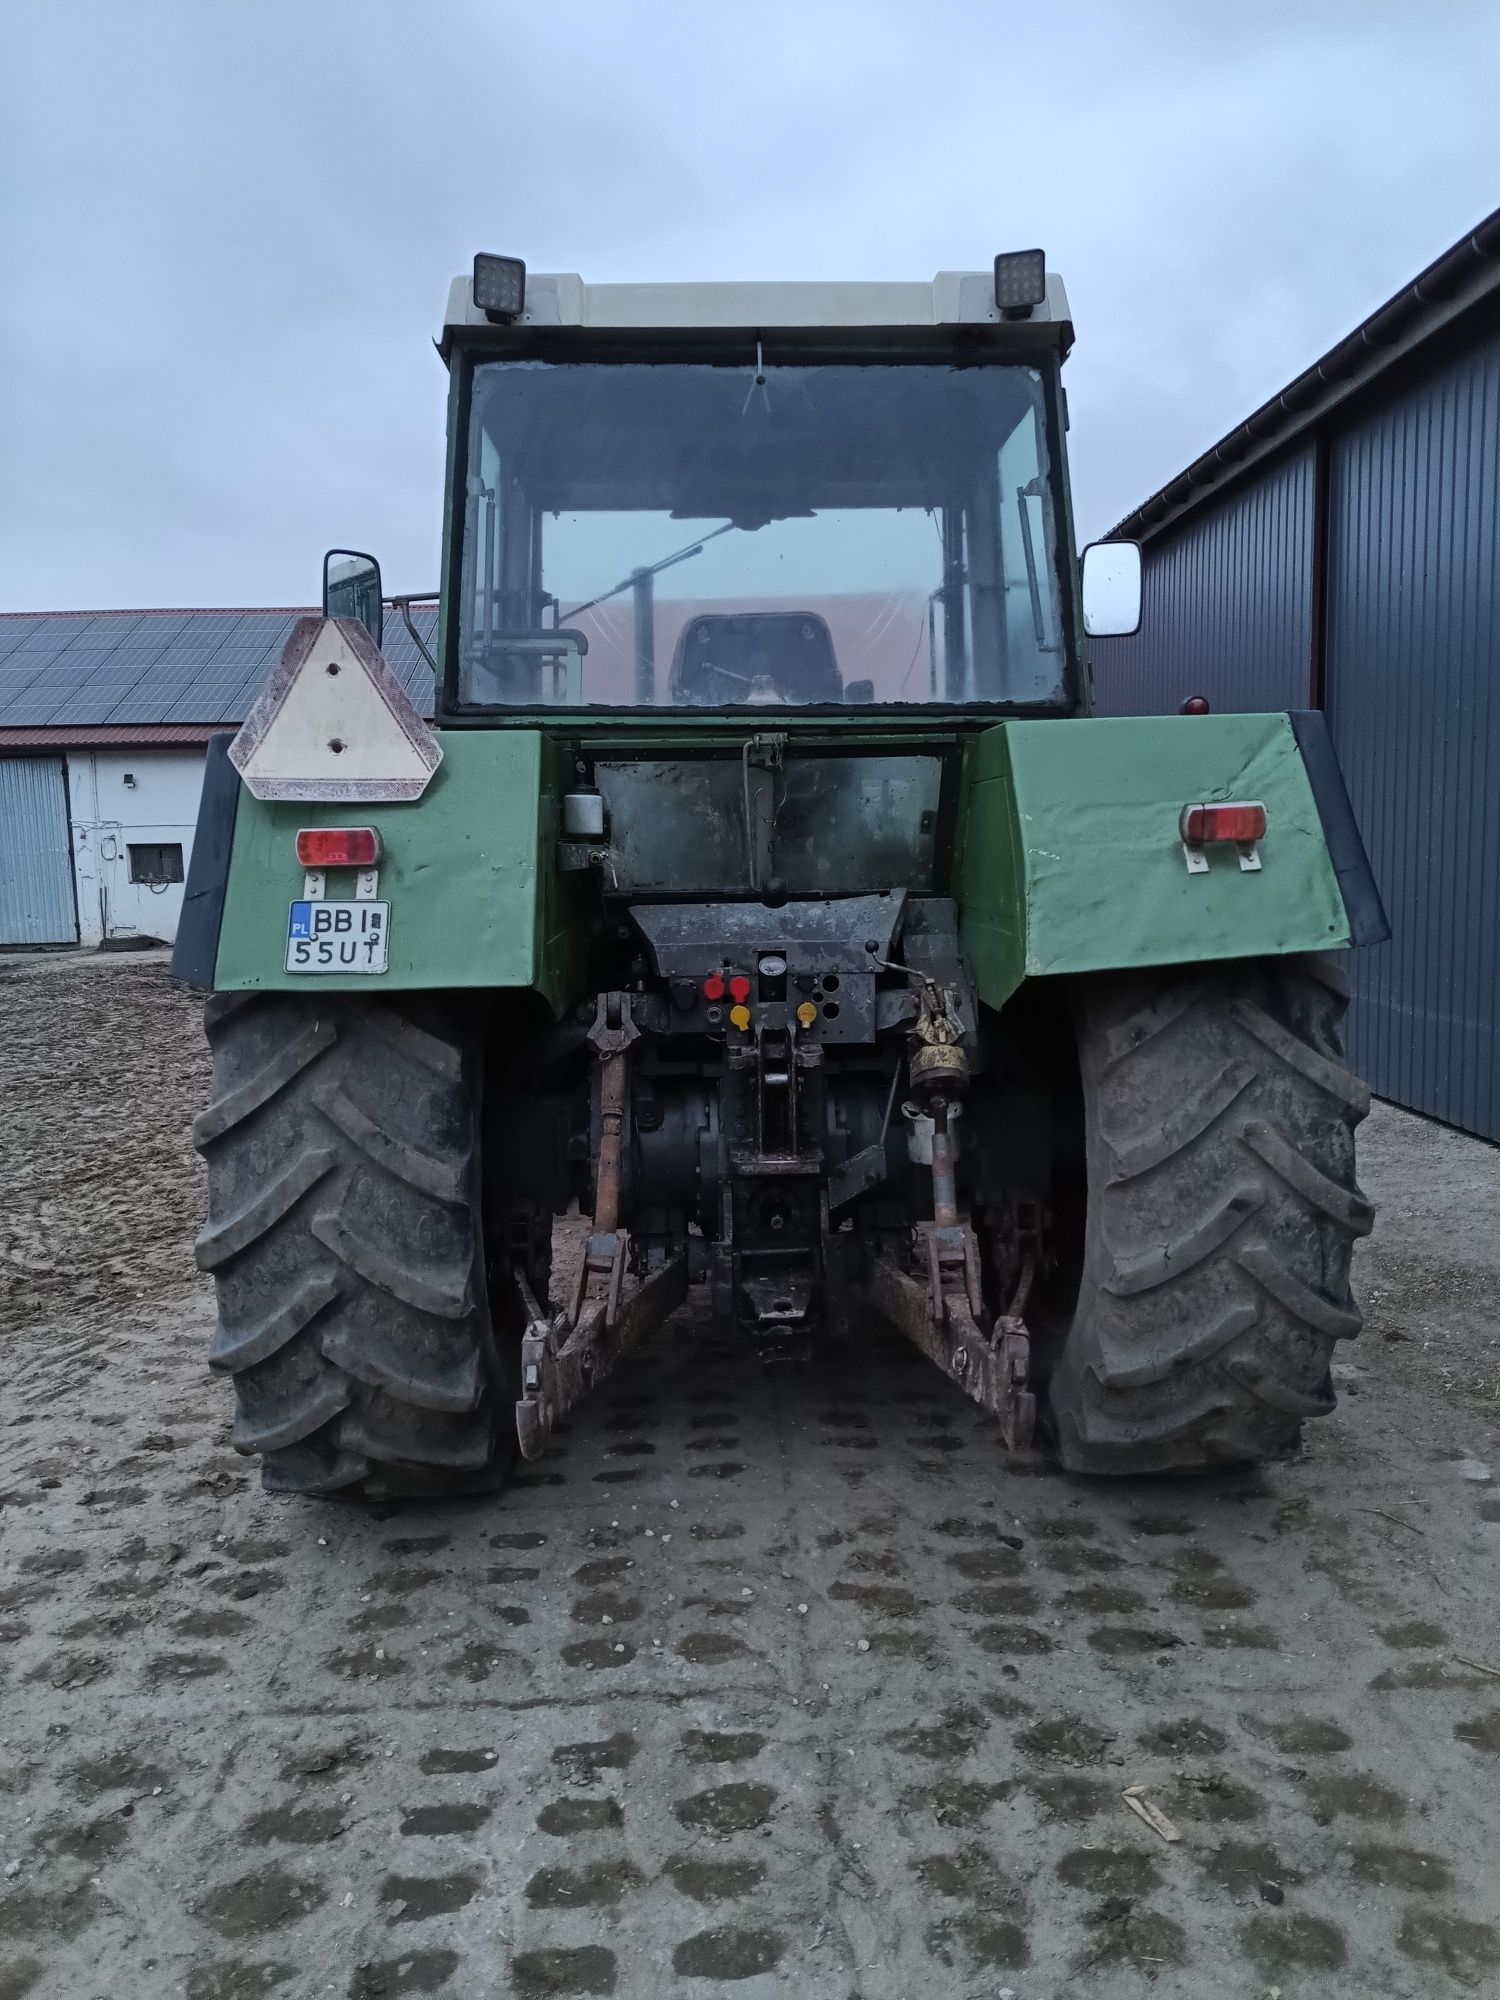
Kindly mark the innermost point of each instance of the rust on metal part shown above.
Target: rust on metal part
(942, 1314)
(565, 1354)
(561, 1363)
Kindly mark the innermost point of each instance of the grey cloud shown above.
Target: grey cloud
(227, 231)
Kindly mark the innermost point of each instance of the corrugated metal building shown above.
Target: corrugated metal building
(36, 882)
(1341, 550)
(103, 719)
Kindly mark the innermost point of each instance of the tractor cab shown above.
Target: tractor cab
(806, 498)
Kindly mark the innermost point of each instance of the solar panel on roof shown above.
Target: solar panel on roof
(147, 647)
(212, 688)
(112, 684)
(256, 670)
(157, 675)
(111, 629)
(147, 713)
(81, 668)
(72, 705)
(204, 708)
(78, 668)
(67, 624)
(46, 646)
(245, 692)
(146, 704)
(53, 677)
(185, 686)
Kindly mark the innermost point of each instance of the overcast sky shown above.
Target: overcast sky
(227, 226)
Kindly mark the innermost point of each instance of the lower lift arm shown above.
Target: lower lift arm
(940, 1308)
(565, 1355)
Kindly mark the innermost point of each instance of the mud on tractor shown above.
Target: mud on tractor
(767, 893)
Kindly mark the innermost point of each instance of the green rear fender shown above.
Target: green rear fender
(469, 869)
(1070, 859)
(1067, 860)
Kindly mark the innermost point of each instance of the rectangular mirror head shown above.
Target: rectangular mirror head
(1111, 589)
(351, 589)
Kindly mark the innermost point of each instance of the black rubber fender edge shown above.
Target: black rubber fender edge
(1368, 922)
(196, 949)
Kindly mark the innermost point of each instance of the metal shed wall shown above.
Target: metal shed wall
(36, 860)
(1228, 606)
(1413, 657)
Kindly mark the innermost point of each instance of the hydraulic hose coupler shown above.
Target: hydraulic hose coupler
(937, 1065)
(937, 1069)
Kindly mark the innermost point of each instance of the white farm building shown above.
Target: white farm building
(104, 716)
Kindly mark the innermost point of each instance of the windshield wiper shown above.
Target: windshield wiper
(632, 582)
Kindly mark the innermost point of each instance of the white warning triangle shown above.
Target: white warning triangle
(334, 723)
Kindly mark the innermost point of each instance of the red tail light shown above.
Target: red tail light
(713, 986)
(1205, 825)
(338, 846)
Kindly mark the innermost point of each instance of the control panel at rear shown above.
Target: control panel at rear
(812, 970)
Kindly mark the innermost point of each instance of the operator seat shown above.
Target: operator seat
(723, 658)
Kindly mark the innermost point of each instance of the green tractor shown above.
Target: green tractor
(767, 894)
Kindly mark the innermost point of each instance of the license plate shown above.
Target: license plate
(338, 937)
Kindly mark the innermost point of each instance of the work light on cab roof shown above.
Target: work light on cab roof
(1020, 282)
(500, 287)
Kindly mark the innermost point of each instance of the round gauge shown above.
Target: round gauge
(772, 967)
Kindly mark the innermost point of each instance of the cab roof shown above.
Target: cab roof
(562, 301)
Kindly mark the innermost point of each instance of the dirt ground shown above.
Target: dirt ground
(764, 1682)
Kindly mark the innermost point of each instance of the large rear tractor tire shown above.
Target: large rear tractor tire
(1221, 1212)
(345, 1238)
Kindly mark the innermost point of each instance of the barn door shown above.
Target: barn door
(37, 904)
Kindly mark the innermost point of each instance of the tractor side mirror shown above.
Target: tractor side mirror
(1111, 589)
(351, 589)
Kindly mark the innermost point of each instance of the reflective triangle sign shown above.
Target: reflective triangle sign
(334, 723)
